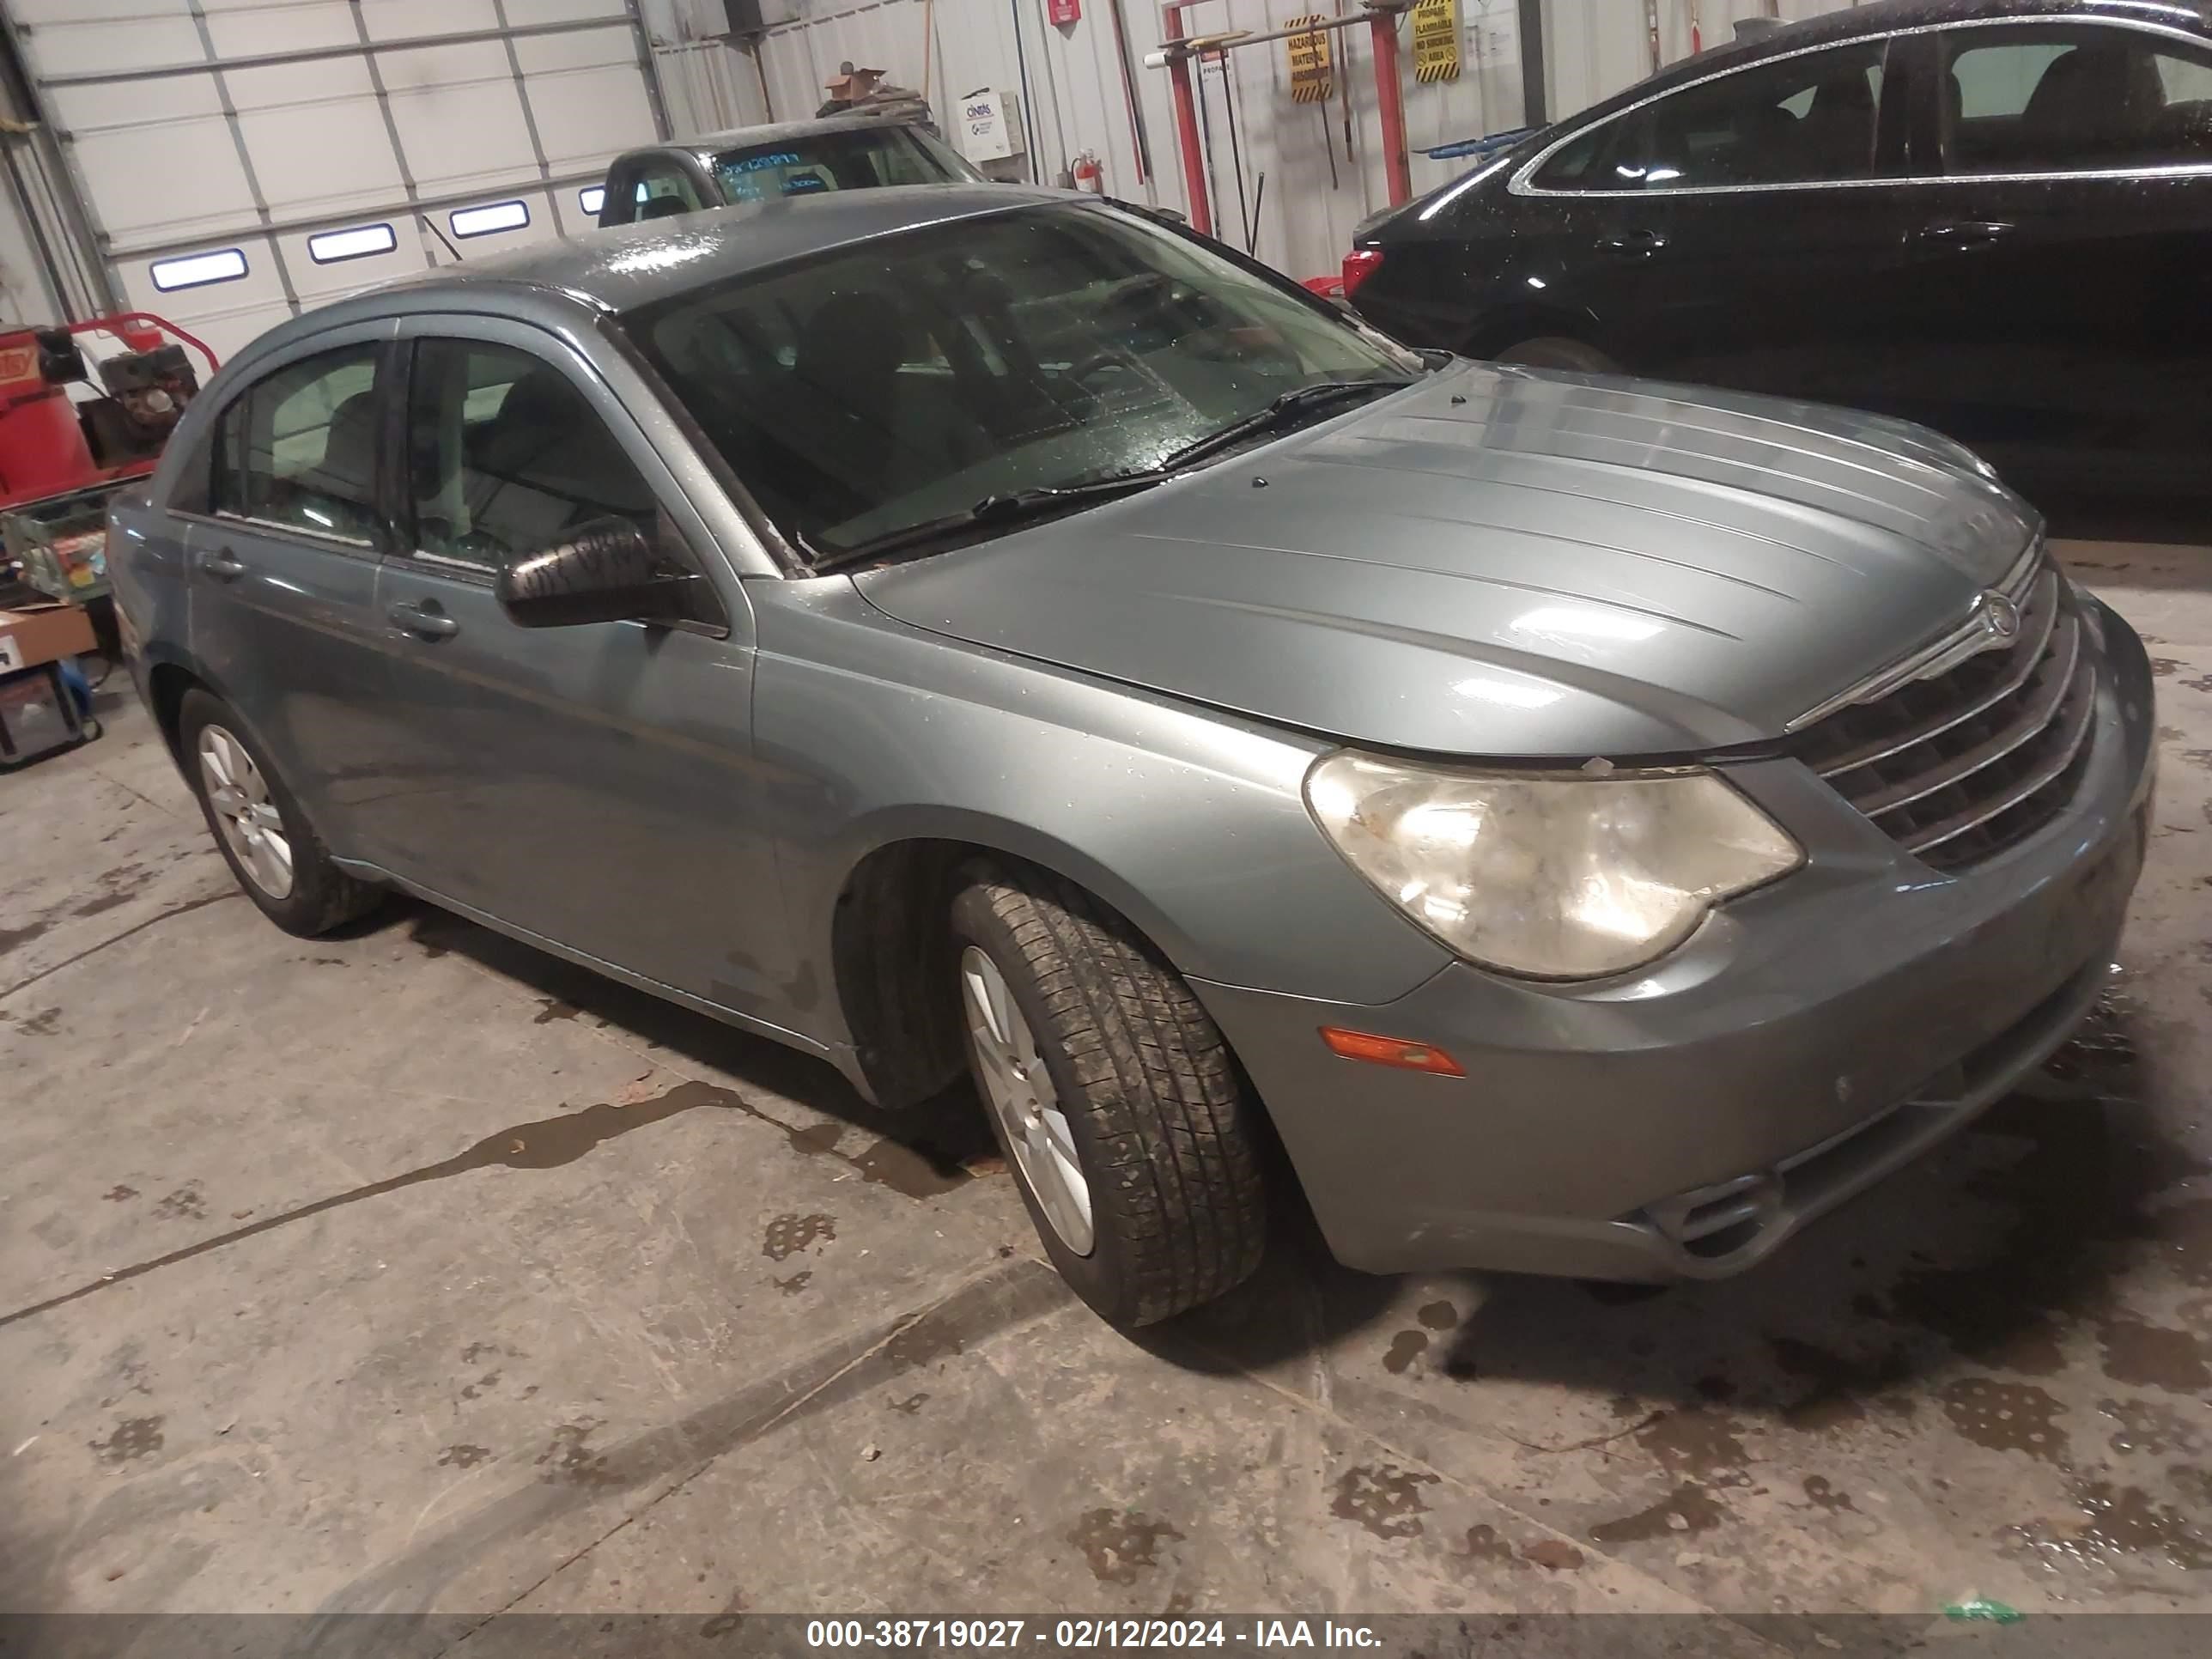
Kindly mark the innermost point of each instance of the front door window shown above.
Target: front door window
(505, 456)
(2047, 100)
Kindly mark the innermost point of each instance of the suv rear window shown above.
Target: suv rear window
(863, 158)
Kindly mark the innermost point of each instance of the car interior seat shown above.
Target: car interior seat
(1763, 151)
(1836, 138)
(338, 492)
(2096, 100)
(663, 207)
(545, 464)
(845, 387)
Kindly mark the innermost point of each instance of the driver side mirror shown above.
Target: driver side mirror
(606, 570)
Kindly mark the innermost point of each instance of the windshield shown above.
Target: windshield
(862, 158)
(886, 384)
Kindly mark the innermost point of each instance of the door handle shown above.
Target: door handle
(223, 564)
(425, 619)
(1964, 232)
(1633, 242)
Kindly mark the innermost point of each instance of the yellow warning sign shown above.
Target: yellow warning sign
(1436, 40)
(1312, 77)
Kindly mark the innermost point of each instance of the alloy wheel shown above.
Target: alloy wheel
(1020, 1093)
(250, 824)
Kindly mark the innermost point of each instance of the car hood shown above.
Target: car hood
(1508, 563)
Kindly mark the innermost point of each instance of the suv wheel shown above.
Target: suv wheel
(260, 829)
(1112, 1094)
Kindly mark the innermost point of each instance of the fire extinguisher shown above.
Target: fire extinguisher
(1089, 175)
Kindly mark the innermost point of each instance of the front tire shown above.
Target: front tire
(1112, 1094)
(260, 829)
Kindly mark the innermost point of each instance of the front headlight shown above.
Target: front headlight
(1547, 876)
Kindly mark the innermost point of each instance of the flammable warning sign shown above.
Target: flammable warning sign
(1436, 40)
(1312, 77)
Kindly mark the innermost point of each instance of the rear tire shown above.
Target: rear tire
(275, 856)
(1141, 1097)
(1556, 351)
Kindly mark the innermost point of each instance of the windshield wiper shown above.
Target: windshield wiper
(1017, 505)
(1297, 401)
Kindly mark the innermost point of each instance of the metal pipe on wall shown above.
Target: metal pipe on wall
(1186, 109)
(1535, 98)
(1390, 105)
(1031, 129)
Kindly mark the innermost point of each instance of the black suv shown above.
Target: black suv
(1994, 217)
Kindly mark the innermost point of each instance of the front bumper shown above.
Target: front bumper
(1682, 1123)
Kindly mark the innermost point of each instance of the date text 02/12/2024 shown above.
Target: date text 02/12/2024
(1087, 1633)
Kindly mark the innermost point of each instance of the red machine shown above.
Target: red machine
(53, 445)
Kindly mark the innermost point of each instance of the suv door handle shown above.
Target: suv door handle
(425, 619)
(1633, 242)
(1964, 232)
(223, 564)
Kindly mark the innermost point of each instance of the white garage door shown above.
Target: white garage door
(244, 159)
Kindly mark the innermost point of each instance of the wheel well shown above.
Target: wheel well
(1510, 328)
(889, 953)
(895, 979)
(166, 686)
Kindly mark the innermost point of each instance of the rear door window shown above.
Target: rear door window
(299, 448)
(1810, 118)
(2073, 99)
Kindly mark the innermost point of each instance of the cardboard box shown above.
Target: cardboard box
(43, 633)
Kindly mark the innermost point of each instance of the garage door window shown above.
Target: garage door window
(299, 448)
(2073, 100)
(197, 269)
(505, 456)
(1808, 119)
(489, 220)
(361, 242)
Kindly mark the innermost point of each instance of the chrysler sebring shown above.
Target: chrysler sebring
(1594, 826)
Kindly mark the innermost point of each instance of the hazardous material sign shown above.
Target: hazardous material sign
(1312, 76)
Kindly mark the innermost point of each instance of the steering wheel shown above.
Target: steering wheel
(1112, 358)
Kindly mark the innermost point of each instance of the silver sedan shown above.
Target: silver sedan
(1595, 827)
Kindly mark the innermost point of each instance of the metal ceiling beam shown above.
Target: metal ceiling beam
(320, 54)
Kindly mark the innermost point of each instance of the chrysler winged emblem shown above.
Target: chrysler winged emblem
(1998, 616)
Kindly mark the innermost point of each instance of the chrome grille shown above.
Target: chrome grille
(1963, 764)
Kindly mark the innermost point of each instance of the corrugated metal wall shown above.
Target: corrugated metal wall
(1317, 187)
(1593, 48)
(1316, 192)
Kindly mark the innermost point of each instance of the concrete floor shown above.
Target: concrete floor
(412, 1269)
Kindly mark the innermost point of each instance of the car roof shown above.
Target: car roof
(626, 266)
(706, 144)
(1887, 17)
